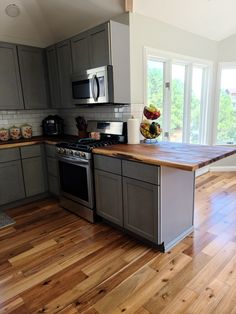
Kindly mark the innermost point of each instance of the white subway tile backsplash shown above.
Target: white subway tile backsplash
(19, 117)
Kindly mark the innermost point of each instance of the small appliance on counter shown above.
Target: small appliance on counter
(76, 166)
(53, 126)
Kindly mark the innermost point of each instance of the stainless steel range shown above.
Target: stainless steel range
(76, 166)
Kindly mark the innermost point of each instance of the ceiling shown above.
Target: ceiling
(214, 19)
(43, 22)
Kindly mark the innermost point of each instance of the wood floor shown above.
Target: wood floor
(53, 262)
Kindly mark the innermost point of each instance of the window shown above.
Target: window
(179, 87)
(226, 120)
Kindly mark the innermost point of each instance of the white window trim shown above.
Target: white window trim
(221, 66)
(169, 58)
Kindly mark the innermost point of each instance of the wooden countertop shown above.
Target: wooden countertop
(181, 156)
(33, 141)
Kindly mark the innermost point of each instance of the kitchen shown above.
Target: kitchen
(119, 180)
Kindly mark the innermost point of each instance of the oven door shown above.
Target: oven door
(76, 180)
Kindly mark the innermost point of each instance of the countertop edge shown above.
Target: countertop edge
(158, 162)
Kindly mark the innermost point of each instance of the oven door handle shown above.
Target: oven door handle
(75, 161)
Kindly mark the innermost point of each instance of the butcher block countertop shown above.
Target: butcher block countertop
(182, 156)
(34, 140)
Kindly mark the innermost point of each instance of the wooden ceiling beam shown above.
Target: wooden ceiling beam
(128, 5)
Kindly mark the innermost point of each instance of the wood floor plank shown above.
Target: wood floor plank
(51, 261)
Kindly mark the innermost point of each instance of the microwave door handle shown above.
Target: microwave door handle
(95, 87)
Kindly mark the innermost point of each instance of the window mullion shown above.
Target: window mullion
(203, 108)
(167, 98)
(187, 103)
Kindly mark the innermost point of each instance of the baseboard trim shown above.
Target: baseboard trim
(201, 171)
(222, 169)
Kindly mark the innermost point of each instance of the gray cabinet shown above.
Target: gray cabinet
(91, 49)
(141, 208)
(127, 194)
(52, 170)
(34, 170)
(80, 52)
(108, 188)
(65, 71)
(10, 85)
(53, 75)
(11, 183)
(34, 176)
(33, 77)
(99, 45)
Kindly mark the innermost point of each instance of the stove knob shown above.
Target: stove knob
(71, 152)
(82, 154)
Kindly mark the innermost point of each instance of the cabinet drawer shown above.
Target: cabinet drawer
(108, 164)
(9, 154)
(140, 171)
(31, 151)
(51, 150)
(52, 165)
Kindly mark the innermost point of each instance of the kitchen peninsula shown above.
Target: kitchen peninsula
(148, 189)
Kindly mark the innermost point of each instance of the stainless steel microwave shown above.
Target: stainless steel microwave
(94, 86)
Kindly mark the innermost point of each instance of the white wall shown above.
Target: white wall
(149, 32)
(227, 49)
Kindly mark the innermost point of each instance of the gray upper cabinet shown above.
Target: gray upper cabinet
(141, 208)
(10, 85)
(65, 71)
(108, 188)
(53, 74)
(80, 52)
(99, 45)
(33, 76)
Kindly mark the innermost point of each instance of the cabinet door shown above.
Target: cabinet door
(53, 76)
(34, 175)
(10, 85)
(141, 208)
(80, 52)
(11, 183)
(99, 46)
(54, 185)
(65, 70)
(108, 188)
(33, 76)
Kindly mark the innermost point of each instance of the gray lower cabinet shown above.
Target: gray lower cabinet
(108, 188)
(34, 176)
(33, 77)
(34, 170)
(10, 85)
(141, 208)
(11, 183)
(52, 170)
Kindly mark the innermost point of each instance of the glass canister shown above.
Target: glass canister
(26, 131)
(15, 132)
(4, 134)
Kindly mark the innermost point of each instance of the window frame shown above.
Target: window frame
(221, 66)
(173, 58)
